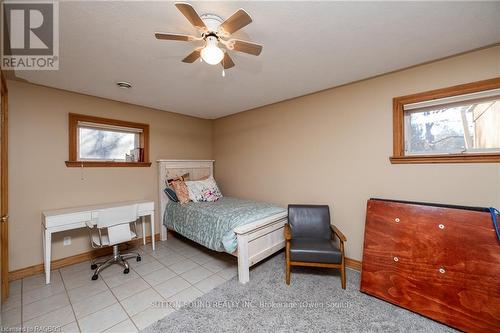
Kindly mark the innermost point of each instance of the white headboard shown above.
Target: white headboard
(168, 169)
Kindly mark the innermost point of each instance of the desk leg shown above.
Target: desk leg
(152, 221)
(143, 223)
(47, 244)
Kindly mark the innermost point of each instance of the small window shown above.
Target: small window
(457, 124)
(97, 142)
(107, 142)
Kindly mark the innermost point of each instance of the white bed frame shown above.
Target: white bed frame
(256, 241)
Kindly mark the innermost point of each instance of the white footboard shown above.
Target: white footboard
(257, 241)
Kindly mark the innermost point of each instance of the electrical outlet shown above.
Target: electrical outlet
(67, 241)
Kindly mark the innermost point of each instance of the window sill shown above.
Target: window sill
(450, 158)
(97, 164)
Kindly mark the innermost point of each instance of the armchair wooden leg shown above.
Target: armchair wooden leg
(342, 275)
(287, 268)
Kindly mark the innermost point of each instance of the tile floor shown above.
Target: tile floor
(176, 273)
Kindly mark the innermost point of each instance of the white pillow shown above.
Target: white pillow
(203, 190)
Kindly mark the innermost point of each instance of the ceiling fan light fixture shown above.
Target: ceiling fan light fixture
(213, 30)
(211, 53)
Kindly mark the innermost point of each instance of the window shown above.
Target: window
(451, 125)
(107, 142)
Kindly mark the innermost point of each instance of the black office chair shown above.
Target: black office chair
(309, 240)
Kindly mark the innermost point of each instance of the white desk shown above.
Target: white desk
(75, 218)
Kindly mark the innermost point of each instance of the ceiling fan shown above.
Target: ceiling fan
(216, 35)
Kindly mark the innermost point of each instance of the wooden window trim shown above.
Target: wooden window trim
(399, 157)
(73, 120)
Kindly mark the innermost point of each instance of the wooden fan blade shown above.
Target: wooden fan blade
(192, 56)
(247, 47)
(188, 11)
(167, 36)
(227, 62)
(236, 21)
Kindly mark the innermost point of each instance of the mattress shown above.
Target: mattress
(212, 224)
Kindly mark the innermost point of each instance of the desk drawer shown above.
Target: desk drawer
(60, 220)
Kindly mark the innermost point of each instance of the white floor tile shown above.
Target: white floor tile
(184, 297)
(159, 276)
(87, 290)
(162, 252)
(171, 259)
(56, 318)
(37, 281)
(189, 252)
(183, 266)
(146, 268)
(126, 326)
(151, 315)
(215, 265)
(70, 328)
(145, 248)
(93, 304)
(74, 280)
(15, 287)
(201, 258)
(11, 318)
(118, 278)
(210, 283)
(145, 258)
(103, 319)
(112, 270)
(172, 286)
(228, 273)
(44, 306)
(141, 301)
(97, 308)
(42, 292)
(14, 301)
(130, 288)
(197, 274)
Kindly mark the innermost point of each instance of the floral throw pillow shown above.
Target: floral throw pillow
(181, 190)
(203, 190)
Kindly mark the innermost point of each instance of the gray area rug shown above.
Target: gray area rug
(314, 302)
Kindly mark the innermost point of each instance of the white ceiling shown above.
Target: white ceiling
(308, 46)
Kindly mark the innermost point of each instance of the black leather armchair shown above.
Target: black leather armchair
(309, 240)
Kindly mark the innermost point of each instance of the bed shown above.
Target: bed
(249, 230)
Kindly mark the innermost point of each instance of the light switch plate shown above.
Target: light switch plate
(67, 241)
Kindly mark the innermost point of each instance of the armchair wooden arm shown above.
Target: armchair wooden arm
(339, 234)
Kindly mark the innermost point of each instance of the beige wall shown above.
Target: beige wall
(39, 179)
(330, 147)
(333, 147)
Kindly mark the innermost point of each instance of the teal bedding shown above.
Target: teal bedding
(211, 223)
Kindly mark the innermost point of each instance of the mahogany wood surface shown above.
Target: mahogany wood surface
(406, 246)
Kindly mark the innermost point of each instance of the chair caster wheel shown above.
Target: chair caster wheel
(126, 271)
(93, 266)
(95, 277)
(139, 258)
